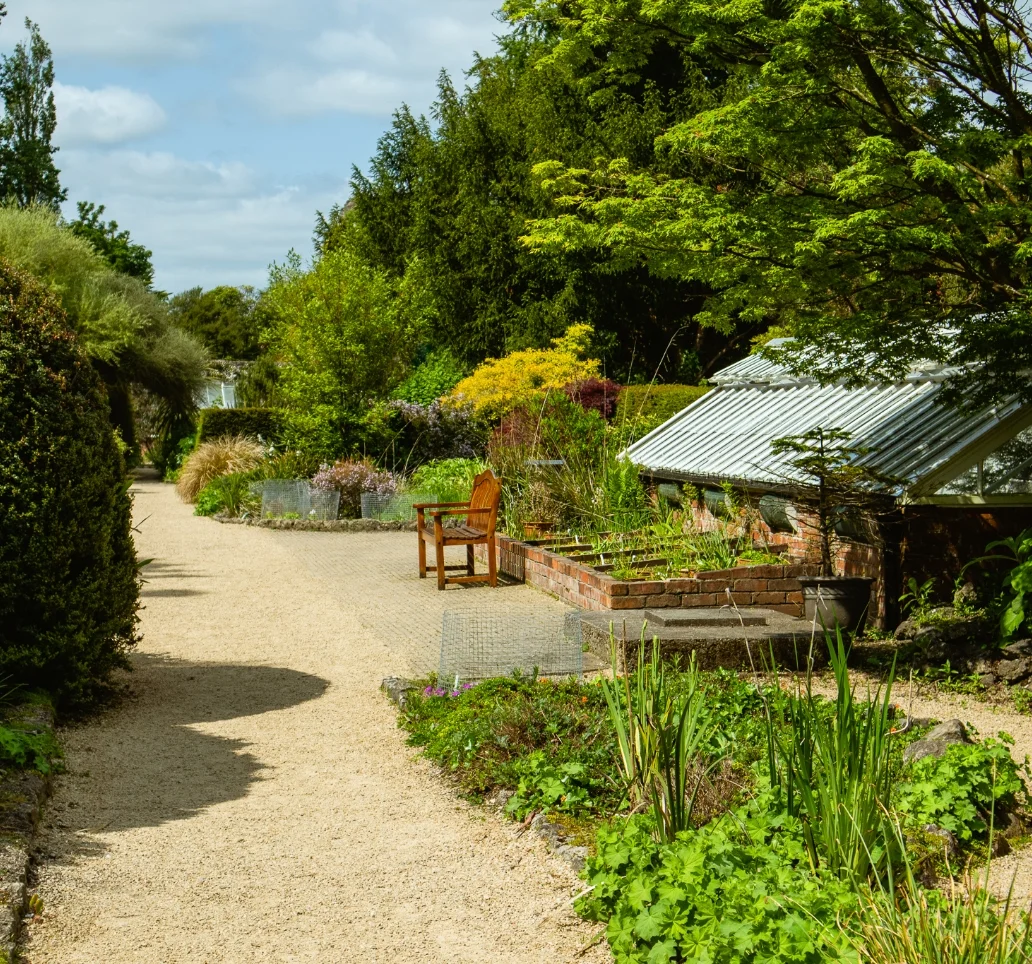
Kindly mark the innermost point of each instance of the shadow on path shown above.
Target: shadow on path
(144, 763)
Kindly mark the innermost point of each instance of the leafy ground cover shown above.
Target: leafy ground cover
(737, 821)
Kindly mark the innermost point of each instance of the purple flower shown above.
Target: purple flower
(352, 478)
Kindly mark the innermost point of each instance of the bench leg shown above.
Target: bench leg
(439, 549)
(492, 562)
(422, 555)
(469, 561)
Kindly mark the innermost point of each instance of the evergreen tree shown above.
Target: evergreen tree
(27, 171)
(116, 247)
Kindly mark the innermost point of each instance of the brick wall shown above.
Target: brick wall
(772, 587)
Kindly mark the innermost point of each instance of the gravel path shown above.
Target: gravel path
(253, 799)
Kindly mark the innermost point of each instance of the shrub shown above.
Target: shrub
(211, 459)
(68, 587)
(436, 375)
(433, 432)
(648, 406)
(451, 480)
(595, 395)
(501, 384)
(265, 424)
(227, 493)
(351, 478)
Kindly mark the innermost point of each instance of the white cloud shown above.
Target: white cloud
(138, 30)
(207, 224)
(109, 115)
(354, 91)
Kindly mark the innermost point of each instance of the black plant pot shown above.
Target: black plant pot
(840, 601)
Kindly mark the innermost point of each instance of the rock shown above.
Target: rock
(1014, 670)
(966, 597)
(987, 679)
(574, 856)
(952, 731)
(397, 689)
(1001, 846)
(937, 741)
(1012, 826)
(1017, 649)
(950, 845)
(906, 629)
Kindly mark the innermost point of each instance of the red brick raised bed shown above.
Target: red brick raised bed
(772, 587)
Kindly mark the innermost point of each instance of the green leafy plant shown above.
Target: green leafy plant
(662, 738)
(915, 601)
(739, 889)
(1016, 584)
(964, 790)
(28, 750)
(835, 772)
(547, 787)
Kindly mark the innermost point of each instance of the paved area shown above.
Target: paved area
(253, 800)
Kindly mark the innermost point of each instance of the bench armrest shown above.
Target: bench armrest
(437, 505)
(467, 511)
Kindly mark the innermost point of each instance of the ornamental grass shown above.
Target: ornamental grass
(210, 460)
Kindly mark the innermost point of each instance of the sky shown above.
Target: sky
(213, 130)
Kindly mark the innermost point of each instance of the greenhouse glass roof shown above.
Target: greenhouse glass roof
(948, 454)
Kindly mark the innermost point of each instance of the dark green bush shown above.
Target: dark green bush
(68, 586)
(651, 405)
(264, 423)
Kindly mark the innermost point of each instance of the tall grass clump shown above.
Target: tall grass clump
(834, 771)
(662, 739)
(211, 460)
(965, 925)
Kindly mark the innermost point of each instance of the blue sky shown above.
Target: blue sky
(214, 129)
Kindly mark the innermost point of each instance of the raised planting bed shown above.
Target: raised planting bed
(567, 572)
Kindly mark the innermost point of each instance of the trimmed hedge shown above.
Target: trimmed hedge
(652, 405)
(68, 584)
(266, 423)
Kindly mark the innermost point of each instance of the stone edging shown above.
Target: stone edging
(22, 796)
(397, 690)
(307, 525)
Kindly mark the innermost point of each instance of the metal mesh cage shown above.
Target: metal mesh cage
(325, 504)
(397, 507)
(286, 499)
(478, 644)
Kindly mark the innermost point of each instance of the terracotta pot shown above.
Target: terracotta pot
(841, 601)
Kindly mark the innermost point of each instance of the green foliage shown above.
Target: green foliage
(854, 172)
(545, 787)
(455, 194)
(836, 775)
(915, 603)
(432, 379)
(114, 246)
(223, 319)
(842, 484)
(265, 424)
(68, 586)
(483, 735)
(661, 738)
(1016, 583)
(256, 384)
(451, 480)
(172, 450)
(27, 172)
(737, 890)
(27, 750)
(963, 790)
(345, 333)
(123, 328)
(646, 407)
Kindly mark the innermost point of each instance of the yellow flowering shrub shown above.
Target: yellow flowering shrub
(500, 384)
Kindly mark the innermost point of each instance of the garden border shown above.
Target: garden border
(775, 587)
(312, 525)
(396, 688)
(23, 795)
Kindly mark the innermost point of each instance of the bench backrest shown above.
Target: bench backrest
(487, 493)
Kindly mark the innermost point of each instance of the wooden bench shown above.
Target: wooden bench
(481, 512)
